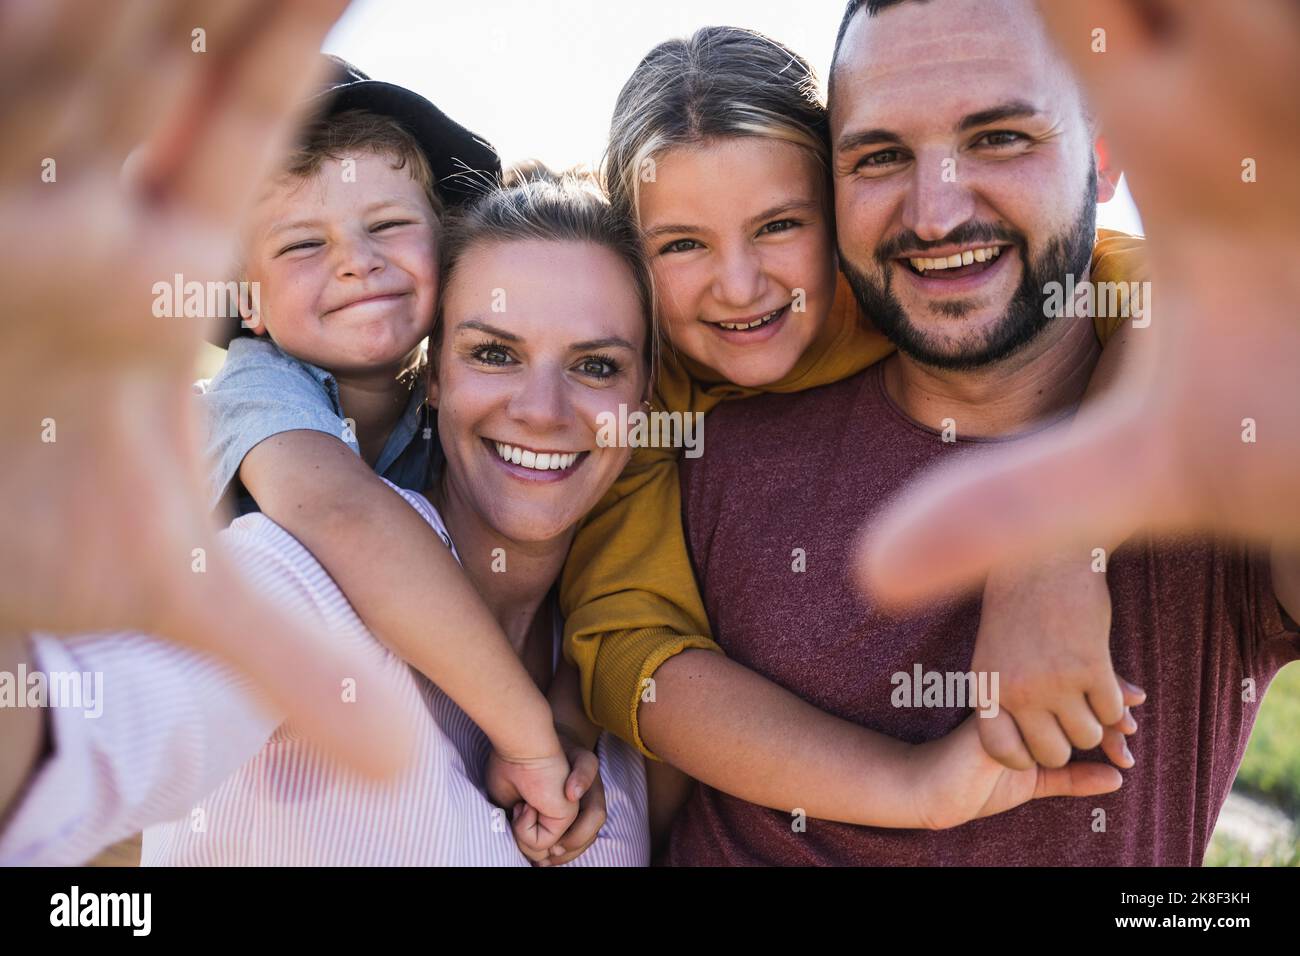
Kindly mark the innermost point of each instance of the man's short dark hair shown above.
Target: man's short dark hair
(850, 11)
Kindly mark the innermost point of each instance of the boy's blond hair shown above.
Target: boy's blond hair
(336, 136)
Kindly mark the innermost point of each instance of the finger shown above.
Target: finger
(213, 151)
(1081, 727)
(525, 830)
(1082, 778)
(962, 519)
(584, 769)
(1133, 694)
(1115, 747)
(1106, 699)
(581, 835)
(1044, 738)
(1002, 741)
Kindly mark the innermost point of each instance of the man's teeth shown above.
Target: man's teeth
(538, 461)
(740, 327)
(986, 254)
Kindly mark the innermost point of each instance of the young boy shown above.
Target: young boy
(325, 395)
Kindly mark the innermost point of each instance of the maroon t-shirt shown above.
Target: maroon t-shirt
(1191, 620)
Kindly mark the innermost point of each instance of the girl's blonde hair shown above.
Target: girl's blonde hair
(719, 82)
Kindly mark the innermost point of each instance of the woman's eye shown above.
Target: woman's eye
(390, 223)
(679, 245)
(491, 355)
(781, 225)
(598, 367)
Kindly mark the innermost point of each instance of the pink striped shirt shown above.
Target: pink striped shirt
(185, 750)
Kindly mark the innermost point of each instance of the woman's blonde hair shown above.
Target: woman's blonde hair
(536, 203)
(719, 82)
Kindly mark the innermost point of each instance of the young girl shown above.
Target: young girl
(751, 301)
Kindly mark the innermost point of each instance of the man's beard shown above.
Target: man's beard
(1025, 318)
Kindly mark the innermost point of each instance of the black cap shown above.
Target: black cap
(464, 165)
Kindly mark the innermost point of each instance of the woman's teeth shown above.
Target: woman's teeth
(757, 323)
(956, 260)
(538, 461)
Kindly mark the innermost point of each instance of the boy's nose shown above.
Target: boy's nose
(359, 258)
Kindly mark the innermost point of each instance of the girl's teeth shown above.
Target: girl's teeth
(740, 327)
(538, 461)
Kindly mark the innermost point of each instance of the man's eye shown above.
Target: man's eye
(884, 157)
(679, 245)
(1001, 137)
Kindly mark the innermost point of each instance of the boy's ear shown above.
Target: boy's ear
(1107, 175)
(250, 315)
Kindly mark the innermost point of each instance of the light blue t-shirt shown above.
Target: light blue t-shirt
(262, 391)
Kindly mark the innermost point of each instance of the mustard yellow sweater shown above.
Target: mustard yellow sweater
(628, 591)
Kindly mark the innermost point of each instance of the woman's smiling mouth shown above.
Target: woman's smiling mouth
(535, 465)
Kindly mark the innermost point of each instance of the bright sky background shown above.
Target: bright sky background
(538, 78)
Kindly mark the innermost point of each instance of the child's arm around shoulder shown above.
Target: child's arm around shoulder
(404, 583)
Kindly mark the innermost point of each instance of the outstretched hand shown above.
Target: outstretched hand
(102, 494)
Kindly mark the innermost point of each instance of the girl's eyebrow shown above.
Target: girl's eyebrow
(790, 205)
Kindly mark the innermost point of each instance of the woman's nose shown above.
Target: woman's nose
(540, 401)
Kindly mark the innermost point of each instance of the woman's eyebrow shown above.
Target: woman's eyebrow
(610, 342)
(481, 326)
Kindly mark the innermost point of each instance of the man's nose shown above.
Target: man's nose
(740, 280)
(938, 201)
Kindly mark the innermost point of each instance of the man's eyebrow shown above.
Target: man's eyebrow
(1012, 109)
(866, 137)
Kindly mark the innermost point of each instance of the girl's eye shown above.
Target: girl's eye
(1001, 137)
(491, 355)
(781, 225)
(599, 366)
(679, 245)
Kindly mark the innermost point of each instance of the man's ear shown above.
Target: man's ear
(432, 392)
(1107, 175)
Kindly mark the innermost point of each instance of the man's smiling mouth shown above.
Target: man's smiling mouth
(932, 265)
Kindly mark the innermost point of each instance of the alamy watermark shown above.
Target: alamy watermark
(205, 300)
(71, 689)
(1091, 300)
(652, 429)
(949, 689)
